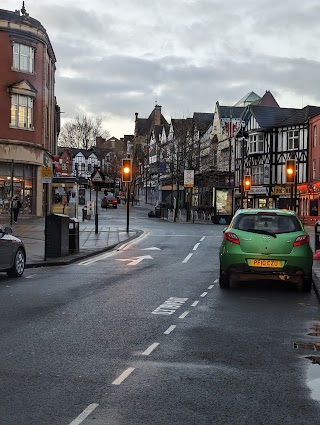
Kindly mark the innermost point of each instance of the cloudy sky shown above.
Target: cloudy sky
(118, 57)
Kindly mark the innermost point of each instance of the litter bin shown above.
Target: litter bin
(317, 236)
(57, 237)
(73, 235)
(157, 211)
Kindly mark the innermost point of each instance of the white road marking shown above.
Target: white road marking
(204, 294)
(31, 276)
(210, 287)
(124, 375)
(187, 258)
(135, 260)
(84, 414)
(153, 248)
(150, 349)
(195, 303)
(127, 245)
(202, 239)
(170, 306)
(183, 315)
(196, 246)
(216, 281)
(170, 329)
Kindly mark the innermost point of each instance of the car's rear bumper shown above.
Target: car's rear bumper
(243, 272)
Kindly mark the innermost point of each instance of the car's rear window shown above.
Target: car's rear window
(272, 223)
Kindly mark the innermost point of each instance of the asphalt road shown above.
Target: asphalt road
(144, 335)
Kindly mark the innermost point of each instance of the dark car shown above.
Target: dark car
(12, 253)
(109, 201)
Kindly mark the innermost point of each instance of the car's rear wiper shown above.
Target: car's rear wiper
(262, 232)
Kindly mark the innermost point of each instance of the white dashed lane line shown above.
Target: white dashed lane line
(187, 258)
(196, 246)
(170, 329)
(202, 239)
(204, 294)
(122, 377)
(150, 349)
(183, 315)
(195, 303)
(78, 420)
(210, 287)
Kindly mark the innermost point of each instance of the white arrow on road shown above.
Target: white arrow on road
(136, 260)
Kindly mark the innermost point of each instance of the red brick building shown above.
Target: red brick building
(29, 114)
(310, 191)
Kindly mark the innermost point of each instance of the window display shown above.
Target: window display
(17, 180)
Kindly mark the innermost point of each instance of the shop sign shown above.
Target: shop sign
(282, 190)
(46, 174)
(258, 190)
(15, 184)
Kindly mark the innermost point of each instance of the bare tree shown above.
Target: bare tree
(81, 132)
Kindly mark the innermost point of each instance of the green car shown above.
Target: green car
(266, 244)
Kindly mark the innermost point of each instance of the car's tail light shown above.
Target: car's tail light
(301, 240)
(231, 237)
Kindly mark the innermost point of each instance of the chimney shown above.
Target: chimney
(157, 115)
(136, 125)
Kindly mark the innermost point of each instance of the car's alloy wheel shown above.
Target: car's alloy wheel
(19, 264)
(224, 280)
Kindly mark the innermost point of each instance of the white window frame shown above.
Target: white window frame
(21, 111)
(314, 136)
(23, 57)
(313, 169)
(258, 175)
(293, 140)
(256, 143)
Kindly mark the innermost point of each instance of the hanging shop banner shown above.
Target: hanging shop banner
(188, 178)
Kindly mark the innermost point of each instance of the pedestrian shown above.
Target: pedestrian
(16, 205)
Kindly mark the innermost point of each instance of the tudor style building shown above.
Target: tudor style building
(272, 136)
(30, 117)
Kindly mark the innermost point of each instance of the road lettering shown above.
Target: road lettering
(171, 305)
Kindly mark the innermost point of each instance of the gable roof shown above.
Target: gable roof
(143, 126)
(268, 117)
(203, 120)
(267, 100)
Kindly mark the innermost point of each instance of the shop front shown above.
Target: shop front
(309, 204)
(257, 197)
(286, 196)
(18, 180)
(21, 175)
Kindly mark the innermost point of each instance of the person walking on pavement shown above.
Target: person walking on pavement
(16, 205)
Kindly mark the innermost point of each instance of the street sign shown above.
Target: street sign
(46, 174)
(90, 207)
(97, 177)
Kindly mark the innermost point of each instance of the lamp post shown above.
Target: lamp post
(146, 185)
(242, 161)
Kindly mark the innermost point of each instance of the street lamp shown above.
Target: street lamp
(241, 176)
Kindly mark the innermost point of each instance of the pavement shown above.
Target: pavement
(31, 231)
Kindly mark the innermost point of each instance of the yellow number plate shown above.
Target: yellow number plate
(265, 263)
